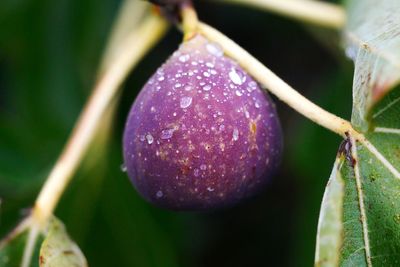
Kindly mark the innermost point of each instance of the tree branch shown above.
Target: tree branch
(276, 85)
(311, 11)
(135, 47)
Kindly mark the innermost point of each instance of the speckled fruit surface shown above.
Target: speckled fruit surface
(201, 134)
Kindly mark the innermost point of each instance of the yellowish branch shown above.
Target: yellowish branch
(311, 11)
(189, 21)
(131, 52)
(276, 85)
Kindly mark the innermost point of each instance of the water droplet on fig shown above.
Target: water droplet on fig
(123, 167)
(186, 101)
(215, 49)
(166, 134)
(235, 134)
(210, 65)
(184, 58)
(206, 74)
(149, 138)
(237, 77)
(207, 87)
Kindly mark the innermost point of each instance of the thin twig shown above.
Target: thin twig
(189, 20)
(130, 15)
(311, 11)
(135, 47)
(276, 85)
(30, 245)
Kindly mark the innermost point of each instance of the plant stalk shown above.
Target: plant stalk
(315, 12)
(134, 49)
(276, 85)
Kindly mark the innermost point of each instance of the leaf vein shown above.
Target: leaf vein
(386, 108)
(380, 157)
(361, 202)
(387, 130)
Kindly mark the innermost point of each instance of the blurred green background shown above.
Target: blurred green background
(49, 52)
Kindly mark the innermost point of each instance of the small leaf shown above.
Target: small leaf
(59, 250)
(12, 247)
(372, 40)
(330, 225)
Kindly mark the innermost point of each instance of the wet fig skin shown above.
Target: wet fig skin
(201, 134)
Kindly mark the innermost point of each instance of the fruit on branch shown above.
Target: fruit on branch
(201, 134)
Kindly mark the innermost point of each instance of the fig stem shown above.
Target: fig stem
(189, 20)
(315, 12)
(132, 49)
(276, 85)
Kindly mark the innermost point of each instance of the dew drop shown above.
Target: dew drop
(177, 85)
(142, 138)
(196, 172)
(161, 78)
(188, 87)
(214, 49)
(123, 167)
(203, 167)
(207, 87)
(210, 189)
(257, 104)
(237, 77)
(238, 93)
(184, 58)
(206, 74)
(159, 194)
(166, 134)
(210, 65)
(150, 139)
(186, 101)
(252, 86)
(235, 134)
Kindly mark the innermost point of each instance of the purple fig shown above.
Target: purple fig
(201, 134)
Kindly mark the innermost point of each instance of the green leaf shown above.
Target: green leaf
(21, 247)
(330, 221)
(59, 250)
(370, 216)
(371, 203)
(12, 247)
(372, 39)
